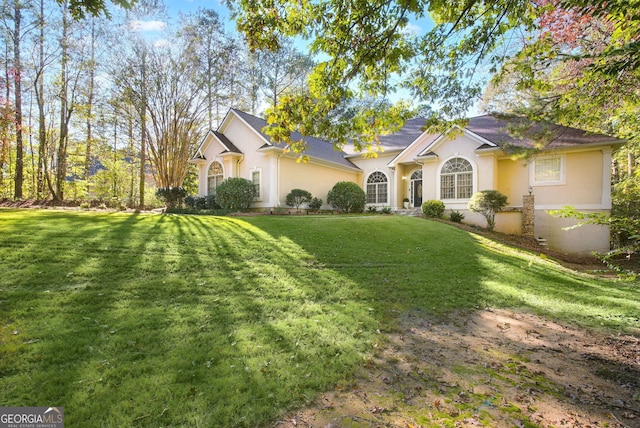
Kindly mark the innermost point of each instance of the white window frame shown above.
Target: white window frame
(209, 192)
(252, 172)
(473, 173)
(387, 183)
(535, 180)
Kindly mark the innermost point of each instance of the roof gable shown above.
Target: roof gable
(494, 132)
(220, 139)
(521, 133)
(315, 147)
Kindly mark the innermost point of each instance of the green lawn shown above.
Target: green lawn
(159, 320)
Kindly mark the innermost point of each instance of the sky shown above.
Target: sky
(154, 27)
(175, 7)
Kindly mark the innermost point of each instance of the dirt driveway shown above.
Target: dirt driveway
(490, 368)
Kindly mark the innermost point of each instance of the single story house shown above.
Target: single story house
(573, 169)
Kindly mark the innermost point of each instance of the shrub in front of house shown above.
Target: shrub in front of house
(201, 203)
(235, 194)
(195, 202)
(297, 197)
(315, 204)
(488, 203)
(456, 216)
(172, 197)
(347, 197)
(433, 208)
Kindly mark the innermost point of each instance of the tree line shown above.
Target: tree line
(93, 108)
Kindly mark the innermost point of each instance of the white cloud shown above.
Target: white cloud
(146, 26)
(412, 28)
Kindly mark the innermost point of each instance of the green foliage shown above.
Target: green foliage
(433, 208)
(297, 197)
(235, 194)
(456, 216)
(488, 203)
(315, 204)
(202, 202)
(173, 197)
(386, 210)
(625, 236)
(347, 197)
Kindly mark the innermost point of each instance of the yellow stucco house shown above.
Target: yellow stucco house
(574, 169)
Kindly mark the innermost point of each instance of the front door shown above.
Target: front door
(416, 188)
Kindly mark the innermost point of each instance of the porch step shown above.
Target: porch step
(411, 212)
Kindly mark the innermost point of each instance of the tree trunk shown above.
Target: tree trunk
(42, 127)
(17, 65)
(90, 96)
(61, 156)
(143, 128)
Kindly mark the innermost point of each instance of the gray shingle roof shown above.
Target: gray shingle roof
(411, 130)
(500, 131)
(230, 146)
(315, 147)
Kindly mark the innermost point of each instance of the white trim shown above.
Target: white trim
(311, 159)
(214, 160)
(606, 177)
(258, 170)
(563, 171)
(474, 183)
(419, 140)
(388, 183)
(224, 124)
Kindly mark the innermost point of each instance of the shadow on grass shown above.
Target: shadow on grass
(204, 321)
(161, 320)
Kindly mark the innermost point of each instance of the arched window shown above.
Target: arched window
(456, 179)
(377, 185)
(215, 176)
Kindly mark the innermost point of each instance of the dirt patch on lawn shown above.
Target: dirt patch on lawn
(491, 368)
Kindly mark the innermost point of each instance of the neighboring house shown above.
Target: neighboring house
(573, 169)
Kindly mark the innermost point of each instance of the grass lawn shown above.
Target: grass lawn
(158, 320)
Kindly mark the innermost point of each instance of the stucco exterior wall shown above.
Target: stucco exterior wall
(484, 169)
(583, 240)
(379, 163)
(314, 178)
(583, 182)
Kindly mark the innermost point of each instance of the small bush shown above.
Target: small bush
(172, 196)
(194, 202)
(315, 204)
(235, 194)
(298, 197)
(488, 203)
(386, 210)
(201, 203)
(433, 208)
(347, 197)
(456, 216)
(372, 210)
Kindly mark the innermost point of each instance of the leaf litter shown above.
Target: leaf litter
(493, 368)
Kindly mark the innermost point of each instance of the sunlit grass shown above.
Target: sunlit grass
(157, 320)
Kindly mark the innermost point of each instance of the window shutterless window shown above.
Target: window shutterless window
(215, 176)
(456, 179)
(547, 170)
(377, 188)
